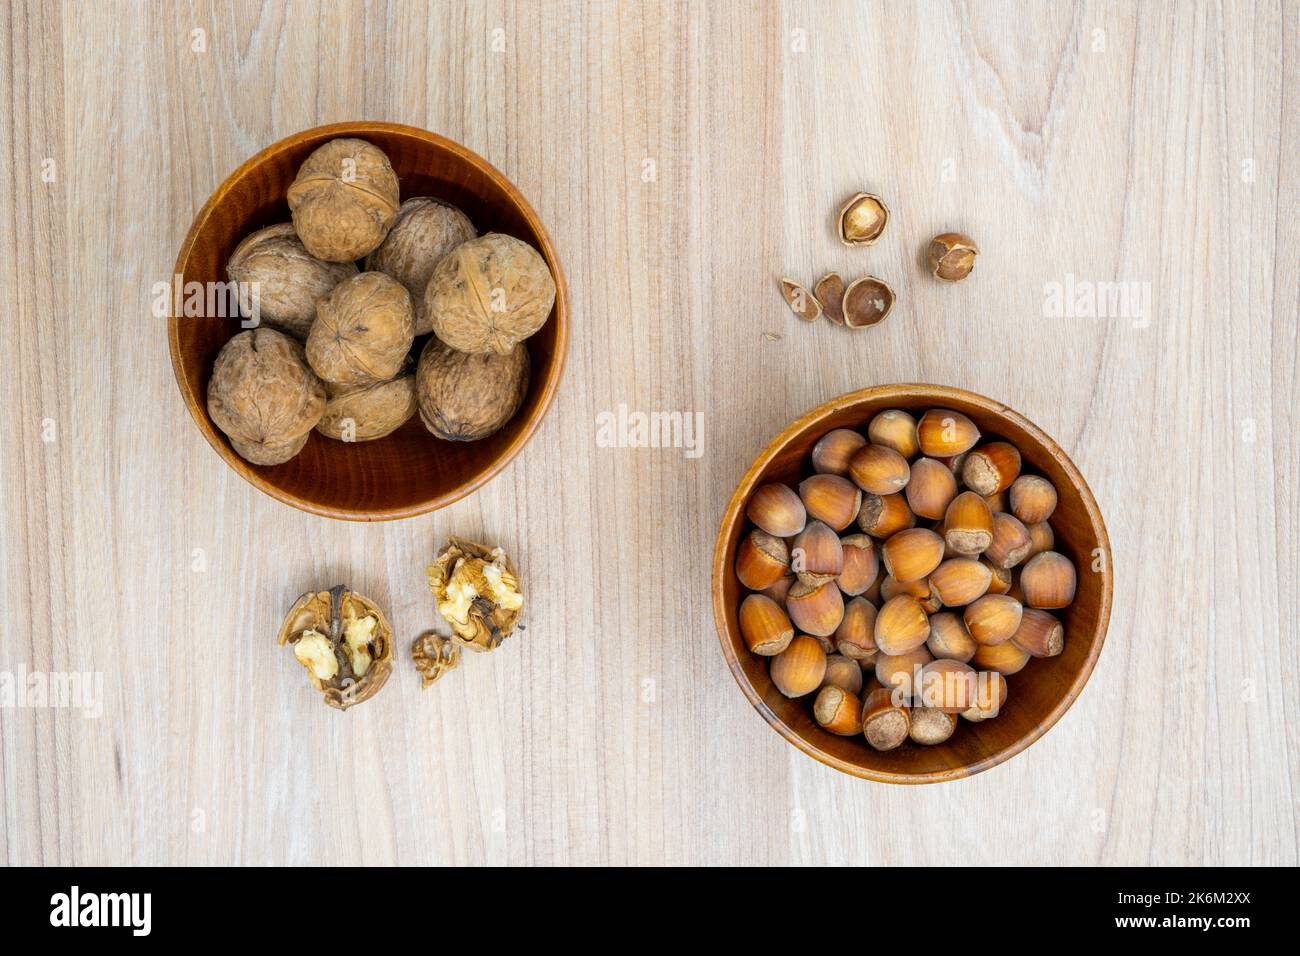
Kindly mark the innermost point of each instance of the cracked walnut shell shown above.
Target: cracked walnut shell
(280, 282)
(264, 396)
(368, 412)
(489, 294)
(344, 200)
(343, 641)
(426, 230)
(467, 397)
(434, 655)
(477, 593)
(363, 331)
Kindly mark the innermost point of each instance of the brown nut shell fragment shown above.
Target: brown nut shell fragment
(344, 642)
(434, 655)
(862, 220)
(363, 331)
(466, 397)
(830, 295)
(477, 592)
(344, 200)
(368, 412)
(280, 282)
(801, 302)
(264, 396)
(489, 294)
(425, 230)
(952, 256)
(867, 302)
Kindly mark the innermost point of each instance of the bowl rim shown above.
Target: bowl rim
(195, 403)
(909, 391)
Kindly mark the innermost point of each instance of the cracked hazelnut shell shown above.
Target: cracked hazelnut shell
(344, 642)
(952, 256)
(467, 397)
(802, 303)
(288, 279)
(867, 302)
(363, 331)
(862, 219)
(344, 200)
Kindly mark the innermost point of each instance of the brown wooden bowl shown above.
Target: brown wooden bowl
(1039, 694)
(410, 472)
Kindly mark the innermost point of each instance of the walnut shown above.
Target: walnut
(425, 231)
(274, 265)
(468, 397)
(434, 656)
(344, 642)
(368, 412)
(264, 396)
(477, 592)
(363, 331)
(344, 200)
(489, 293)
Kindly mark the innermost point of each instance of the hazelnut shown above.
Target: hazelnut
(912, 554)
(931, 488)
(947, 685)
(344, 642)
(831, 499)
(990, 695)
(816, 555)
(952, 256)
(885, 724)
(1048, 580)
(901, 671)
(815, 609)
(1041, 538)
(879, 470)
(467, 397)
(801, 302)
(287, 280)
(1039, 634)
(931, 726)
(998, 501)
(489, 294)
(1033, 499)
(368, 412)
(942, 432)
(993, 618)
(861, 565)
(862, 219)
(901, 625)
(968, 524)
(761, 560)
(476, 590)
(363, 331)
(1010, 542)
(921, 589)
(344, 200)
(867, 302)
(1001, 580)
(780, 588)
(896, 429)
(764, 626)
(991, 468)
(959, 581)
(844, 673)
(883, 516)
(955, 463)
(424, 231)
(776, 509)
(838, 710)
(830, 296)
(949, 639)
(799, 669)
(831, 454)
(264, 396)
(1006, 658)
(855, 637)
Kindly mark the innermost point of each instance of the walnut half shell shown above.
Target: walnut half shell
(477, 592)
(344, 642)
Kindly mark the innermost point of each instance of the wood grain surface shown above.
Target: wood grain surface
(684, 156)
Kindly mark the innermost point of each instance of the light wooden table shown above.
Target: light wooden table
(684, 156)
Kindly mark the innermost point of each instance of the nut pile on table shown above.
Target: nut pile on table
(345, 294)
(905, 579)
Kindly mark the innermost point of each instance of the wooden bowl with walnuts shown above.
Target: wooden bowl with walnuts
(412, 321)
(880, 600)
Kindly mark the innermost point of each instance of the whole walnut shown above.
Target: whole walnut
(368, 412)
(466, 397)
(363, 331)
(425, 231)
(280, 281)
(489, 293)
(264, 396)
(344, 200)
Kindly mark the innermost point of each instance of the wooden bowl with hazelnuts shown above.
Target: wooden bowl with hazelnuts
(912, 583)
(411, 321)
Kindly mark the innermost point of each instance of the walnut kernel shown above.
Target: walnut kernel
(477, 593)
(343, 641)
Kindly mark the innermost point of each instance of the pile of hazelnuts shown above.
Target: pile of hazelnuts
(946, 587)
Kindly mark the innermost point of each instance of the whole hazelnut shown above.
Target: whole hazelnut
(855, 637)
(931, 726)
(799, 669)
(466, 397)
(831, 454)
(815, 609)
(896, 429)
(425, 230)
(879, 469)
(861, 564)
(993, 618)
(838, 710)
(1048, 580)
(991, 468)
(968, 524)
(280, 281)
(901, 625)
(947, 685)
(902, 671)
(885, 724)
(843, 672)
(1039, 634)
(831, 499)
(363, 331)
(344, 200)
(912, 554)
(1032, 499)
(761, 560)
(883, 516)
(1006, 658)
(1011, 542)
(960, 581)
(990, 694)
(816, 554)
(764, 626)
(949, 639)
(776, 509)
(930, 489)
(368, 412)
(942, 433)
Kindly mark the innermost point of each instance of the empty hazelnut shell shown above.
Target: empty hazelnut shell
(867, 302)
